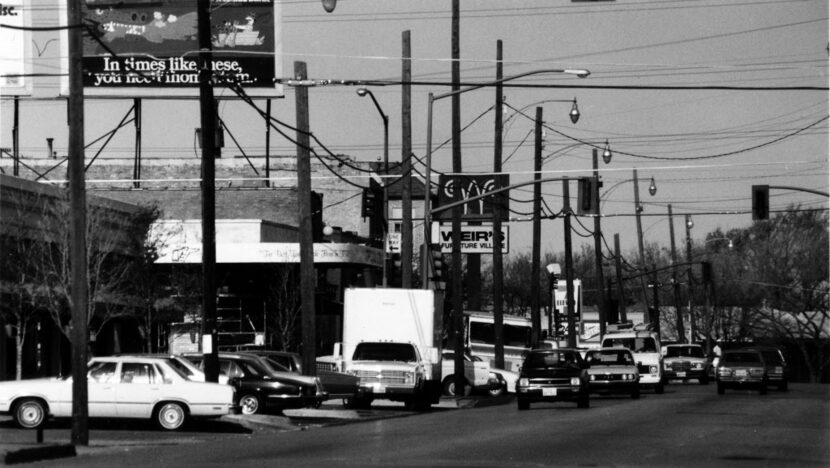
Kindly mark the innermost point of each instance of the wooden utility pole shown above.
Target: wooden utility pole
(681, 332)
(498, 266)
(535, 260)
(569, 265)
(457, 274)
(600, 276)
(406, 166)
(307, 277)
(77, 234)
(618, 271)
(207, 107)
(641, 249)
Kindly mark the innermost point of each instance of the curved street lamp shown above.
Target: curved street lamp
(581, 73)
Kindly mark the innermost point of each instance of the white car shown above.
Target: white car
(476, 374)
(119, 387)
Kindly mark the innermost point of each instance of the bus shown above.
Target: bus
(479, 338)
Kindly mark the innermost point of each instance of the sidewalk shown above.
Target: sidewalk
(26, 448)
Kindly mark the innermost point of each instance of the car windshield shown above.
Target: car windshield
(550, 359)
(610, 358)
(274, 365)
(385, 352)
(638, 345)
(684, 351)
(740, 358)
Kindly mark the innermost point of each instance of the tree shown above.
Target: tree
(284, 304)
(116, 245)
(20, 279)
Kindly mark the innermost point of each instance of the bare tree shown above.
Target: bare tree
(283, 296)
(20, 278)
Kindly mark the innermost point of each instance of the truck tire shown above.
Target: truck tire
(449, 387)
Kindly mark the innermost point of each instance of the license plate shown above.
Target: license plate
(741, 373)
(548, 392)
(681, 374)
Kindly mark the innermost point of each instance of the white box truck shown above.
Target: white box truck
(391, 341)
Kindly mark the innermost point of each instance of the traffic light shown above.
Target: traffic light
(760, 202)
(316, 217)
(587, 202)
(438, 266)
(706, 272)
(369, 204)
(393, 270)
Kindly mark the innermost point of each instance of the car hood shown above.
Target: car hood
(601, 369)
(294, 379)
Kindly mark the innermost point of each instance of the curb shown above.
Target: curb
(45, 452)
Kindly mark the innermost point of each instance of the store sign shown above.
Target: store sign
(472, 186)
(15, 52)
(474, 239)
(272, 252)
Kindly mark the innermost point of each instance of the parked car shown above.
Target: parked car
(119, 387)
(259, 388)
(776, 366)
(477, 375)
(743, 368)
(553, 375)
(685, 362)
(335, 384)
(613, 370)
(507, 379)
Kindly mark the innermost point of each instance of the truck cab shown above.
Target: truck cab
(645, 346)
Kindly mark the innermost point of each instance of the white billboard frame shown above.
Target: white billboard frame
(16, 54)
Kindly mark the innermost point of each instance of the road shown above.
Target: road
(689, 425)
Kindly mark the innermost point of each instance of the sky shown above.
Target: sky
(706, 97)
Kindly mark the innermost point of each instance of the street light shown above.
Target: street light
(581, 73)
(362, 92)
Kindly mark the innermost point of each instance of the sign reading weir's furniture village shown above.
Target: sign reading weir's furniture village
(151, 48)
(474, 239)
(471, 186)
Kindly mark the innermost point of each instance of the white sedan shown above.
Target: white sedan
(119, 387)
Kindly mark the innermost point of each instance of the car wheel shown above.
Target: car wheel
(497, 391)
(250, 404)
(30, 414)
(584, 401)
(171, 416)
(449, 387)
(721, 390)
(660, 388)
(523, 404)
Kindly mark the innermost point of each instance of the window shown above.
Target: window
(138, 373)
(102, 372)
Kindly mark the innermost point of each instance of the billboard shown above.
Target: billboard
(135, 48)
(471, 186)
(474, 239)
(15, 52)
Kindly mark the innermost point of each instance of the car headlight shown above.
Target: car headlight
(575, 381)
(524, 382)
(653, 369)
(698, 365)
(724, 371)
(409, 378)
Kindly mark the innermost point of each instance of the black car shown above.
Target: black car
(553, 375)
(741, 369)
(335, 384)
(776, 366)
(260, 388)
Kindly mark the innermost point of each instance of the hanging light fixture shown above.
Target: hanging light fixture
(689, 223)
(329, 5)
(574, 114)
(606, 153)
(652, 188)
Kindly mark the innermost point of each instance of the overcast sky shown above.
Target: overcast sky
(704, 145)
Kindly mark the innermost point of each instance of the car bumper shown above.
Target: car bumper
(617, 386)
(549, 393)
(650, 380)
(294, 401)
(741, 382)
(689, 374)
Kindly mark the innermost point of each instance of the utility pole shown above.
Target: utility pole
(618, 271)
(535, 261)
(600, 277)
(207, 107)
(690, 278)
(569, 265)
(498, 267)
(681, 333)
(637, 209)
(654, 317)
(307, 276)
(77, 233)
(406, 160)
(457, 274)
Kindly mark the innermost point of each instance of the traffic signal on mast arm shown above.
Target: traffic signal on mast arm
(760, 202)
(438, 268)
(587, 202)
